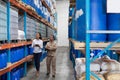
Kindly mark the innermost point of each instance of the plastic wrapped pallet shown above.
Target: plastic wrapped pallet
(14, 23)
(112, 75)
(80, 69)
(49, 31)
(110, 66)
(92, 77)
(43, 30)
(30, 30)
(3, 21)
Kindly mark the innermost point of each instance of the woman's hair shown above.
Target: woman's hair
(40, 35)
(53, 37)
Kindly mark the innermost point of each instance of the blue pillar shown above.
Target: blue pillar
(8, 27)
(87, 40)
(25, 47)
(8, 35)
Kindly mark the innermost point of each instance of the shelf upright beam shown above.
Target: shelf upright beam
(87, 40)
(8, 27)
(25, 47)
(8, 35)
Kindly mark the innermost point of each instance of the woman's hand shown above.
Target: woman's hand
(37, 45)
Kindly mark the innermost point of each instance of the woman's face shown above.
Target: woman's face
(51, 38)
(37, 36)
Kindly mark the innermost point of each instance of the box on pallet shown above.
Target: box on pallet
(15, 75)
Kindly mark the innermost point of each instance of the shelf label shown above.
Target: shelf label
(113, 6)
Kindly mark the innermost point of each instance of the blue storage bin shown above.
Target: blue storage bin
(113, 23)
(44, 54)
(3, 77)
(24, 1)
(114, 55)
(3, 59)
(17, 54)
(94, 53)
(97, 20)
(15, 75)
(70, 12)
(30, 50)
(22, 51)
(21, 72)
(12, 56)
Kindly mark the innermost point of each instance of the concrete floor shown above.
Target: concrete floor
(63, 65)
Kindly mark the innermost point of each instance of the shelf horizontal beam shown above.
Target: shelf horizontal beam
(14, 65)
(48, 8)
(45, 4)
(104, 31)
(13, 45)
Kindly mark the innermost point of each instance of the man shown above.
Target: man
(51, 57)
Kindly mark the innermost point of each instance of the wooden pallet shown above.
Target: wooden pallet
(94, 45)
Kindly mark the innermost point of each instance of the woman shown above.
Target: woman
(37, 45)
(51, 57)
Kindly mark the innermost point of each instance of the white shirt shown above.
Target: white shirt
(36, 48)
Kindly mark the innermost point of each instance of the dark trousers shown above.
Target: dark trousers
(37, 57)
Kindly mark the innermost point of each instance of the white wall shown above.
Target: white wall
(113, 6)
(62, 15)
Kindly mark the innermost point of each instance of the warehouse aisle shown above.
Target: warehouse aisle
(64, 68)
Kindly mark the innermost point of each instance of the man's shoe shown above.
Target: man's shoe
(53, 76)
(48, 74)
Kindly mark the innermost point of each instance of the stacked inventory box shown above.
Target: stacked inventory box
(37, 26)
(49, 32)
(43, 30)
(14, 23)
(30, 30)
(3, 21)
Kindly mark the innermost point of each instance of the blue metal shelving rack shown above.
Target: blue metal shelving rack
(88, 32)
(8, 37)
(87, 40)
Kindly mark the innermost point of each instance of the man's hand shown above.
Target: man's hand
(48, 47)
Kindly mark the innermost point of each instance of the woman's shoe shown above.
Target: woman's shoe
(53, 76)
(37, 73)
(48, 74)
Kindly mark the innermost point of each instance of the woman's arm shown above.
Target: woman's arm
(33, 44)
